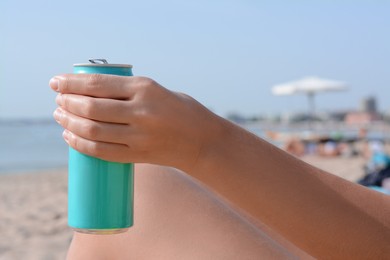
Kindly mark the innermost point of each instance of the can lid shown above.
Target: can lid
(101, 63)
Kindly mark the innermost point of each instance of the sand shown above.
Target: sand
(348, 168)
(33, 209)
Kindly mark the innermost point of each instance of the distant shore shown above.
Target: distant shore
(375, 130)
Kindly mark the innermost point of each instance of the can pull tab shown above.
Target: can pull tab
(98, 61)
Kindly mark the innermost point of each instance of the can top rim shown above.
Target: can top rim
(102, 65)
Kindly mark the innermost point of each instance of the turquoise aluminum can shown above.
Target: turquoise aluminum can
(100, 193)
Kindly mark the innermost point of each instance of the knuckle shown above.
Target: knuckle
(143, 115)
(64, 84)
(150, 85)
(64, 101)
(64, 120)
(91, 130)
(145, 83)
(74, 142)
(96, 149)
(88, 147)
(89, 107)
(94, 80)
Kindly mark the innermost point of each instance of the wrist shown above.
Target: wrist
(204, 144)
(229, 149)
(216, 146)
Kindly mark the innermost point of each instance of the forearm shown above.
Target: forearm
(134, 119)
(317, 211)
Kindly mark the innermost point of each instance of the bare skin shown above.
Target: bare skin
(177, 218)
(134, 119)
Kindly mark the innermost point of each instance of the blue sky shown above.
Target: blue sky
(227, 54)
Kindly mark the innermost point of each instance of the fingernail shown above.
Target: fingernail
(54, 83)
(57, 115)
(66, 135)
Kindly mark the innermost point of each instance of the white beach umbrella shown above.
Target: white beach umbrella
(309, 86)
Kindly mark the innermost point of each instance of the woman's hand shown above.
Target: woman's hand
(132, 119)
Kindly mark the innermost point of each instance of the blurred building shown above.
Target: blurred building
(368, 104)
(367, 113)
(354, 118)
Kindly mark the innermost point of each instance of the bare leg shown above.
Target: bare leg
(177, 218)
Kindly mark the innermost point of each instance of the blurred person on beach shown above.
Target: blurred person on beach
(378, 159)
(295, 146)
(328, 147)
(377, 167)
(208, 189)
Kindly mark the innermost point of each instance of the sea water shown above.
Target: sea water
(30, 145)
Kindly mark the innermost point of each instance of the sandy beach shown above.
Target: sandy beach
(33, 209)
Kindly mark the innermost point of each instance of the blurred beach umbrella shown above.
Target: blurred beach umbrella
(309, 86)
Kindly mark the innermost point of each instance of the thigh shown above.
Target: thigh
(177, 218)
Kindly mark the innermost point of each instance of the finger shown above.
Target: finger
(106, 151)
(95, 85)
(98, 109)
(92, 130)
